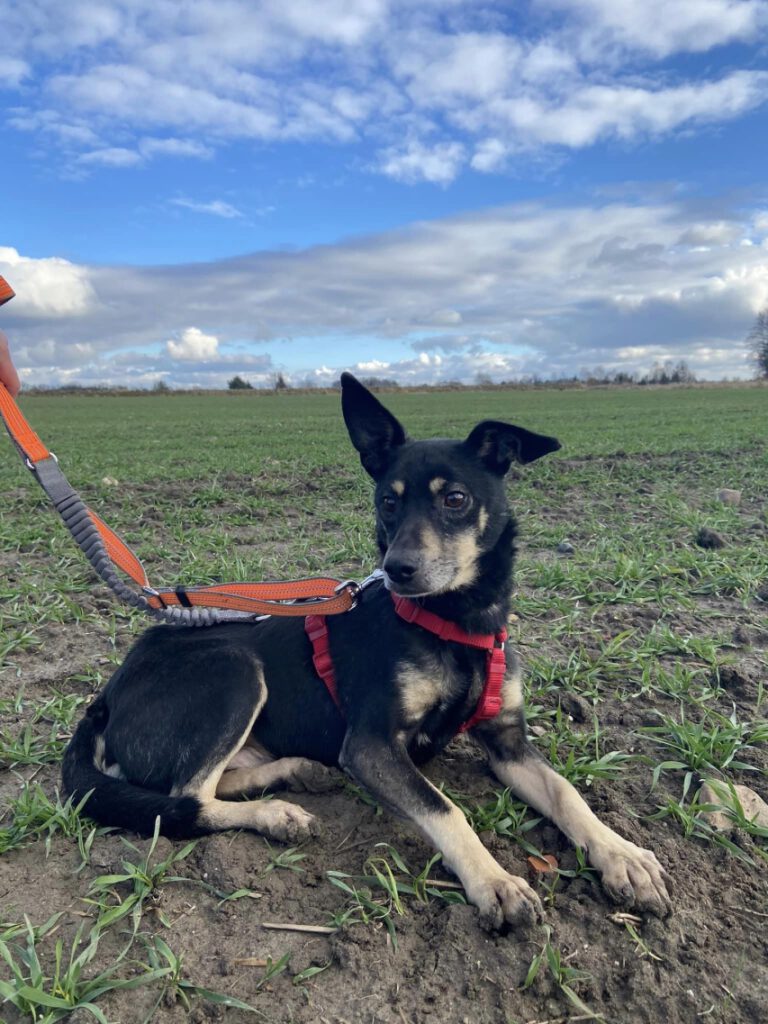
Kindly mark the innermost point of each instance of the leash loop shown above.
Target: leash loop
(106, 552)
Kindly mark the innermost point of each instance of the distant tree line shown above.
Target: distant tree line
(667, 372)
(279, 383)
(757, 339)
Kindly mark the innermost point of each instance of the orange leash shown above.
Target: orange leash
(197, 605)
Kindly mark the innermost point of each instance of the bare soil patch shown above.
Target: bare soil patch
(707, 962)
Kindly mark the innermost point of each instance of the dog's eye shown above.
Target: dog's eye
(455, 499)
(388, 503)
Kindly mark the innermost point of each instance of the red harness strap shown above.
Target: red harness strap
(489, 704)
(317, 631)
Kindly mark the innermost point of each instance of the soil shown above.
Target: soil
(707, 962)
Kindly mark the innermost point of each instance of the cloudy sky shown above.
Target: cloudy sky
(425, 190)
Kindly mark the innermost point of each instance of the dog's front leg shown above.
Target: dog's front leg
(387, 772)
(631, 875)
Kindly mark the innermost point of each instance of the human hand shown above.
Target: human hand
(8, 374)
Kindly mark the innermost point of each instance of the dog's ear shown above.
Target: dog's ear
(498, 445)
(373, 430)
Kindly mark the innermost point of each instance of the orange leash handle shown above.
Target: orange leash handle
(197, 606)
(23, 436)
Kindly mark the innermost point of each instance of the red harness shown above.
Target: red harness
(489, 704)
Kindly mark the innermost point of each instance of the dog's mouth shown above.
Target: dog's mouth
(418, 585)
(405, 589)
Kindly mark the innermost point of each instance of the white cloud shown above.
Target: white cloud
(437, 163)
(534, 289)
(113, 156)
(427, 92)
(193, 346)
(713, 233)
(47, 288)
(150, 147)
(592, 112)
(12, 71)
(490, 155)
(216, 207)
(372, 366)
(661, 28)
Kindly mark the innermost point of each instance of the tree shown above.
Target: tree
(281, 384)
(238, 384)
(757, 339)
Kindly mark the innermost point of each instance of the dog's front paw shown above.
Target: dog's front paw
(504, 899)
(632, 876)
(287, 822)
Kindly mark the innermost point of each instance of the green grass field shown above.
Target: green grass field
(645, 658)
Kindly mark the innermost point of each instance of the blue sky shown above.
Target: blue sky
(424, 190)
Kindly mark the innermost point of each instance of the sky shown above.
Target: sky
(425, 191)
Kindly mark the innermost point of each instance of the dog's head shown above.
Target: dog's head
(440, 505)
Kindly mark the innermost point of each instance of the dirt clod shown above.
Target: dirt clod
(709, 539)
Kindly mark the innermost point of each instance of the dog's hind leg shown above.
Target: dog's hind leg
(276, 819)
(253, 770)
(630, 874)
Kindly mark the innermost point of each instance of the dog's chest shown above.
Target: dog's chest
(432, 687)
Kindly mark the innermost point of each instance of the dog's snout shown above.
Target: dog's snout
(401, 568)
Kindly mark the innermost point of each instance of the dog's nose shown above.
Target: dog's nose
(400, 569)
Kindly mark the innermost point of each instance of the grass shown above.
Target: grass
(34, 815)
(562, 975)
(628, 643)
(143, 880)
(46, 995)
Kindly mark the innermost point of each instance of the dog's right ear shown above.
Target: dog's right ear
(373, 430)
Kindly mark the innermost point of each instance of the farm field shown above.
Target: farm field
(646, 660)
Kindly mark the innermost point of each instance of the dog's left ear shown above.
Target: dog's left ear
(498, 445)
(373, 430)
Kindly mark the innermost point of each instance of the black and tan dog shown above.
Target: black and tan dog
(197, 718)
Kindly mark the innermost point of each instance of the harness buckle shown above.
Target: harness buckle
(32, 466)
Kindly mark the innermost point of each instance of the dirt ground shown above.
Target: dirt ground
(707, 962)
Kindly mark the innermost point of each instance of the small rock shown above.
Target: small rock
(565, 548)
(742, 636)
(753, 806)
(729, 496)
(110, 481)
(762, 593)
(710, 539)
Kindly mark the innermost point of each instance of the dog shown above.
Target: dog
(196, 719)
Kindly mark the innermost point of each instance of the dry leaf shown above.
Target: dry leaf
(544, 865)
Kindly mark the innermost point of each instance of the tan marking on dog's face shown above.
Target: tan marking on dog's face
(420, 688)
(465, 553)
(398, 487)
(431, 544)
(482, 519)
(437, 484)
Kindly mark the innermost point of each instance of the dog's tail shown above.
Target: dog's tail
(113, 801)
